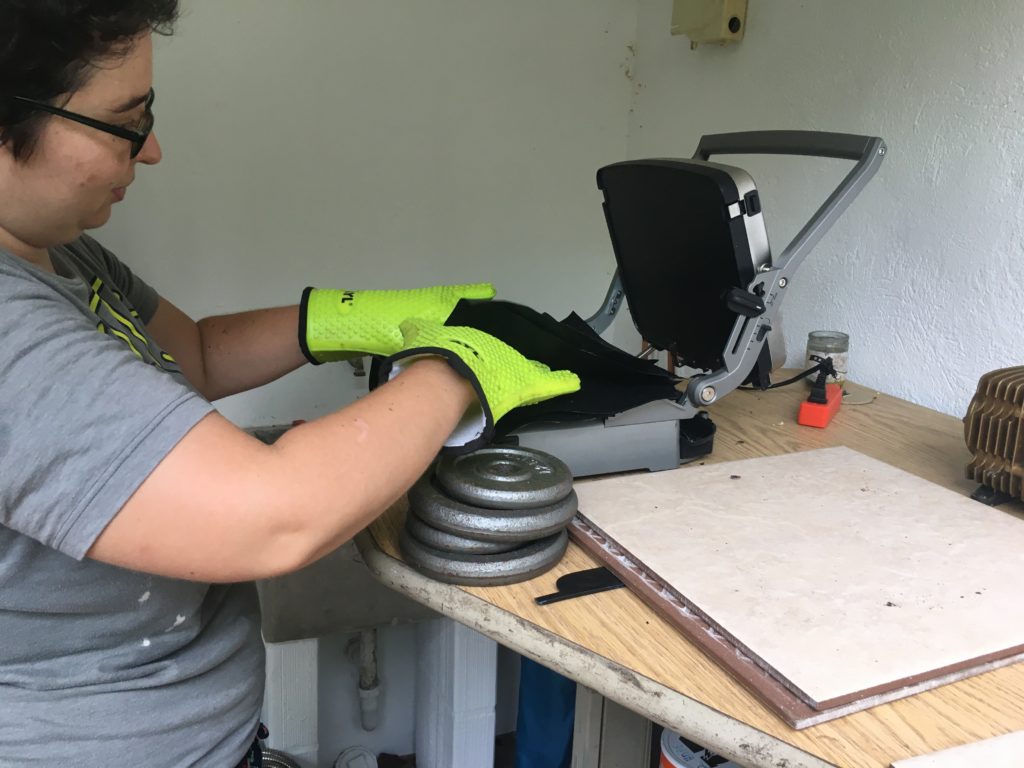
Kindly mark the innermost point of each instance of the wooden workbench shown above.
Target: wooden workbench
(617, 646)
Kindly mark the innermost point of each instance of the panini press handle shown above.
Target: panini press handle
(845, 146)
(748, 332)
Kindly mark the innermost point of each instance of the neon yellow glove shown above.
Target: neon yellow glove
(337, 325)
(502, 377)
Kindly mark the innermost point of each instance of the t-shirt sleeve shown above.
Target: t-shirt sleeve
(83, 421)
(136, 290)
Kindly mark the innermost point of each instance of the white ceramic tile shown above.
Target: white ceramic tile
(1001, 752)
(840, 571)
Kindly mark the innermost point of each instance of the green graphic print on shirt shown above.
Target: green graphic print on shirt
(118, 319)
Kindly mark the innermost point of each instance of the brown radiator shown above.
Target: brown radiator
(992, 429)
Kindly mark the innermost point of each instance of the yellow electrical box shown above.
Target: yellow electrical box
(709, 21)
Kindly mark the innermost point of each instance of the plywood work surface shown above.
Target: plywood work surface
(1001, 752)
(616, 627)
(844, 575)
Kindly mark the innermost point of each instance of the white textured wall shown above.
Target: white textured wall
(925, 270)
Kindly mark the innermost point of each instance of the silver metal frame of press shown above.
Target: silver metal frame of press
(647, 437)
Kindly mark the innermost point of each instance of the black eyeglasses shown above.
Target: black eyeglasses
(137, 137)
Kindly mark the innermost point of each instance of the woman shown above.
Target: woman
(132, 515)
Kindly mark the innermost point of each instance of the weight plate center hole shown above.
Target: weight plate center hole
(505, 471)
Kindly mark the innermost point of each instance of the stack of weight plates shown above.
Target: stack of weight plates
(494, 516)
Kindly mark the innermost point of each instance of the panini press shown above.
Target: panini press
(695, 266)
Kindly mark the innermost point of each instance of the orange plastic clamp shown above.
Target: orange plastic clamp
(820, 414)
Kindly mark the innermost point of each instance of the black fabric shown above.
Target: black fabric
(611, 380)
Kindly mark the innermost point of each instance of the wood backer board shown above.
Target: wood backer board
(1000, 752)
(849, 581)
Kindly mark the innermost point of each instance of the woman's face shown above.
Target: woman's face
(76, 173)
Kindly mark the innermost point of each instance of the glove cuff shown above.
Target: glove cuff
(303, 319)
(476, 429)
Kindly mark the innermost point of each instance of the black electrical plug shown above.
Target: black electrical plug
(825, 369)
(818, 389)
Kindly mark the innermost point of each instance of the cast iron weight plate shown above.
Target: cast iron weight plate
(439, 511)
(485, 570)
(450, 542)
(505, 477)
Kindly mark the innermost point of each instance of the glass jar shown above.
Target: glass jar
(834, 344)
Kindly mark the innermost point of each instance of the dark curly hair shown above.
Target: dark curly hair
(47, 45)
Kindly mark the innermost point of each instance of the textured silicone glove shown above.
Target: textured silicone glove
(502, 377)
(337, 325)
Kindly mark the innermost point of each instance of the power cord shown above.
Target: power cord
(824, 369)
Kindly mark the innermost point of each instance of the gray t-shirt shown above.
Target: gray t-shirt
(101, 665)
